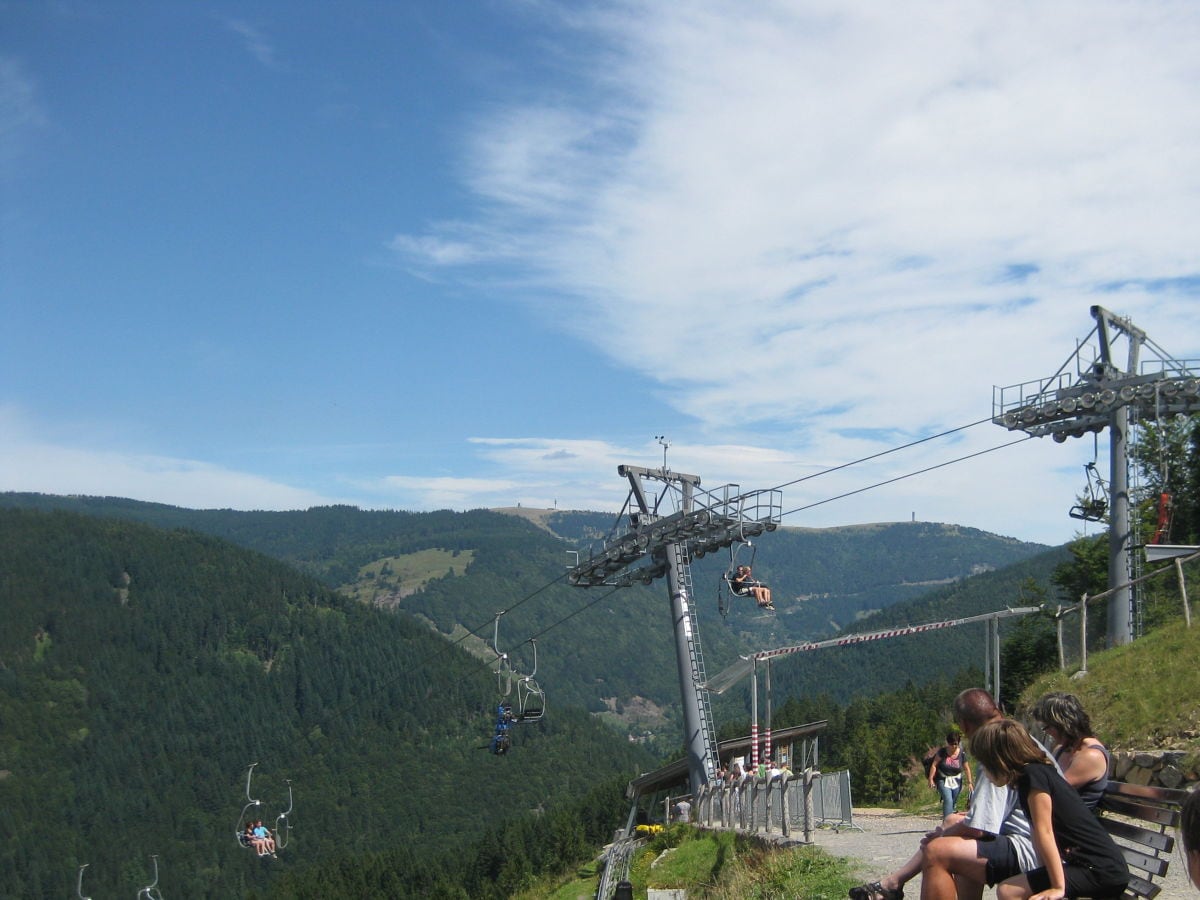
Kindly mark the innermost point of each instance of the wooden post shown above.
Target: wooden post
(1058, 627)
(810, 776)
(783, 806)
(1083, 634)
(1187, 612)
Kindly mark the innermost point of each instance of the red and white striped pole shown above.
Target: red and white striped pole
(767, 748)
(754, 716)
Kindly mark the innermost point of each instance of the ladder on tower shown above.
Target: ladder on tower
(696, 657)
(1137, 538)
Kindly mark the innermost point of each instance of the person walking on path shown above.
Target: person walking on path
(948, 771)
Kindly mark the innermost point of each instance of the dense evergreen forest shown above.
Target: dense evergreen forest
(142, 670)
(612, 648)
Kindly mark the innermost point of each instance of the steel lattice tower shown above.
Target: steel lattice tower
(1091, 391)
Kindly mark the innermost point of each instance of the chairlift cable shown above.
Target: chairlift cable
(855, 462)
(940, 465)
(573, 615)
(421, 663)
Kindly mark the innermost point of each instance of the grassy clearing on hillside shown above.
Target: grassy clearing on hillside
(387, 581)
(1142, 696)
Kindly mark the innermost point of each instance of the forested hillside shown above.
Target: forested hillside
(599, 649)
(869, 668)
(142, 670)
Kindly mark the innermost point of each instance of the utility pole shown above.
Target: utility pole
(1099, 394)
(653, 543)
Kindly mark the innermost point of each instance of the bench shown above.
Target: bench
(1143, 821)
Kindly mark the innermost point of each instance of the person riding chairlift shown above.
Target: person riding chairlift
(745, 584)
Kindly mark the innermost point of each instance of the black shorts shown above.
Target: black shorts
(1082, 881)
(1001, 857)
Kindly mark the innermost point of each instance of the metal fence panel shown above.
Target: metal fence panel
(831, 800)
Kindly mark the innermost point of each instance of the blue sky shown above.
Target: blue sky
(418, 255)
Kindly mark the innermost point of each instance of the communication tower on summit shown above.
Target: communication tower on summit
(1090, 392)
(665, 521)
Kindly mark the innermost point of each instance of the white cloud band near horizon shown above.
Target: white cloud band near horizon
(564, 474)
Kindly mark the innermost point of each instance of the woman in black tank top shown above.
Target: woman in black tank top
(1084, 760)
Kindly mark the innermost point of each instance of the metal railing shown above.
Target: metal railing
(781, 803)
(616, 864)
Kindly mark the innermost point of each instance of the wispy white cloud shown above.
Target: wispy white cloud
(440, 250)
(21, 110)
(818, 229)
(804, 219)
(547, 472)
(256, 43)
(789, 162)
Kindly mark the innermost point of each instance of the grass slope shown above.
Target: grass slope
(1142, 696)
(718, 866)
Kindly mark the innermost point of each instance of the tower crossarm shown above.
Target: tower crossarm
(705, 522)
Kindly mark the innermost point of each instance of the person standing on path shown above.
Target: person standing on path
(947, 772)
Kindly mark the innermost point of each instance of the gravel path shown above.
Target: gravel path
(887, 838)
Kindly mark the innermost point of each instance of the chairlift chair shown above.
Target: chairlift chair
(501, 741)
(726, 590)
(240, 834)
(151, 891)
(283, 827)
(504, 670)
(1094, 506)
(531, 699)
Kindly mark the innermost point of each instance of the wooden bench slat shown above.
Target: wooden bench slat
(1161, 841)
(1158, 815)
(1151, 865)
(1140, 887)
(1166, 796)
(1156, 807)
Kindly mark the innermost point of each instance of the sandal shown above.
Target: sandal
(875, 891)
